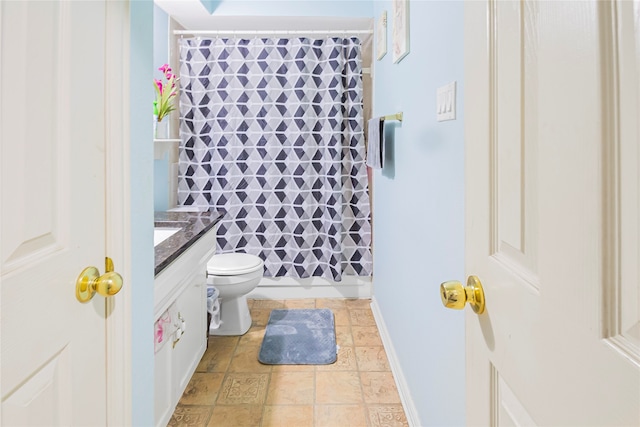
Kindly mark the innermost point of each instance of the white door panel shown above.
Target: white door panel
(552, 214)
(52, 124)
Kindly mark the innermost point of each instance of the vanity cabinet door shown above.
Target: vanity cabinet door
(180, 298)
(178, 358)
(191, 306)
(164, 392)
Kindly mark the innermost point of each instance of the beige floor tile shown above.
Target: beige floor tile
(365, 336)
(300, 303)
(291, 388)
(202, 389)
(231, 387)
(245, 359)
(341, 316)
(331, 303)
(260, 316)
(340, 415)
(195, 416)
(343, 336)
(243, 389)
(372, 359)
(338, 387)
(358, 303)
(216, 358)
(268, 303)
(222, 340)
(387, 416)
(346, 361)
(253, 336)
(293, 368)
(379, 387)
(287, 416)
(362, 317)
(236, 416)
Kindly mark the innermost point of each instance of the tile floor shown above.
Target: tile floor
(231, 388)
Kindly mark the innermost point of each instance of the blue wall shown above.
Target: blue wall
(210, 5)
(141, 152)
(418, 223)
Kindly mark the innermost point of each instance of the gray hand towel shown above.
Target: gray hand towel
(375, 151)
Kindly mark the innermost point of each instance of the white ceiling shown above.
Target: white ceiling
(192, 15)
(187, 12)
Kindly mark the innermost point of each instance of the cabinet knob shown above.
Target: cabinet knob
(181, 327)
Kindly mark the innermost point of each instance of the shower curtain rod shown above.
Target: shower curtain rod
(268, 32)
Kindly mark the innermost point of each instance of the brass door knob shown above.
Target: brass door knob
(455, 296)
(90, 281)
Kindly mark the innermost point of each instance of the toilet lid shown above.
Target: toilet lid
(233, 264)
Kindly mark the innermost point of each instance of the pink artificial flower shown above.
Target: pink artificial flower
(166, 90)
(159, 334)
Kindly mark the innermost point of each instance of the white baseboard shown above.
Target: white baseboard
(401, 383)
(312, 287)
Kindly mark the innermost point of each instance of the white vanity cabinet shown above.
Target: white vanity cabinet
(180, 292)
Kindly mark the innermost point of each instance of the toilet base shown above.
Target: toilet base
(235, 318)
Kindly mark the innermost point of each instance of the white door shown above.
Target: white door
(53, 121)
(552, 139)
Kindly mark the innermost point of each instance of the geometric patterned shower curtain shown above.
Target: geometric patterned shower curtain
(272, 134)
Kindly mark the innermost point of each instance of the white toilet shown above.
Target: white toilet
(234, 275)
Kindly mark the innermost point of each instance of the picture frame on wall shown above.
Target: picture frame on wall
(381, 36)
(400, 30)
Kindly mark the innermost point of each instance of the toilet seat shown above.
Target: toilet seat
(233, 264)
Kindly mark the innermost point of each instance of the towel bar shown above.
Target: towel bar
(397, 116)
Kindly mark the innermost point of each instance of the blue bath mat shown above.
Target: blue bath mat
(299, 337)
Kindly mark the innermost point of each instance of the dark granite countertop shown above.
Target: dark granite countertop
(193, 226)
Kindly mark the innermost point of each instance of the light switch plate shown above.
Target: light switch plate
(446, 99)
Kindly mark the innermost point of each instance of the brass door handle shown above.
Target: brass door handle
(455, 296)
(90, 281)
